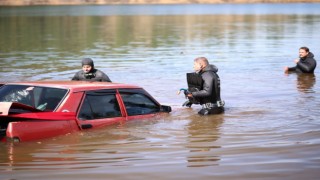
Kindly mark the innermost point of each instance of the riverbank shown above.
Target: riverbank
(100, 2)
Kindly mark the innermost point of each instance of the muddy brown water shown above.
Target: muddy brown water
(270, 129)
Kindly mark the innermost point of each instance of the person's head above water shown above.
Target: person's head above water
(303, 52)
(87, 65)
(200, 63)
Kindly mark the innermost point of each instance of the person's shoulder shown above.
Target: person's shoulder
(208, 75)
(98, 71)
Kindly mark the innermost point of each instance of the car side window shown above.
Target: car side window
(48, 98)
(98, 106)
(138, 104)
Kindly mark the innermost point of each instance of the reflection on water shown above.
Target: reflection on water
(203, 132)
(305, 82)
(270, 128)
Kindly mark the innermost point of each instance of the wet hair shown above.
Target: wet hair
(204, 61)
(87, 61)
(305, 48)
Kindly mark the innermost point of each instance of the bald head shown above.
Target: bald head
(202, 61)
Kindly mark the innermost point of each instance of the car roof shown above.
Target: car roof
(77, 85)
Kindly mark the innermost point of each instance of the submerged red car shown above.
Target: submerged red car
(36, 110)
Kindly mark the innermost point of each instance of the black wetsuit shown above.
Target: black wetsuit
(305, 65)
(209, 95)
(93, 75)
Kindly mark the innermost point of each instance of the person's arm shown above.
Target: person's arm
(292, 68)
(75, 77)
(307, 66)
(207, 86)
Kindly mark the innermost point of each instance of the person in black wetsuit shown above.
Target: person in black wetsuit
(89, 73)
(305, 64)
(204, 88)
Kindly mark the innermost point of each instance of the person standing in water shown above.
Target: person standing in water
(89, 73)
(305, 64)
(204, 87)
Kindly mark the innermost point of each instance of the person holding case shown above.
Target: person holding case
(204, 88)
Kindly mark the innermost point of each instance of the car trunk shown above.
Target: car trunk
(22, 123)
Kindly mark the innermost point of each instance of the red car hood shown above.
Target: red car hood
(35, 114)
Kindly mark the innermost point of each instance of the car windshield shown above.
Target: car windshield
(41, 98)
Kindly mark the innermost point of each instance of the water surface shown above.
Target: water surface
(270, 129)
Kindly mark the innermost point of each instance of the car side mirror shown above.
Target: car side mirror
(164, 108)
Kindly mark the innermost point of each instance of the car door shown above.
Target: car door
(100, 108)
(138, 103)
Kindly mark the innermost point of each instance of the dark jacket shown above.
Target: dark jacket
(94, 75)
(210, 92)
(305, 65)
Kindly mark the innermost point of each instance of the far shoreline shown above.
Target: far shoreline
(143, 2)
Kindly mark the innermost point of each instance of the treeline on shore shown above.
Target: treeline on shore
(100, 2)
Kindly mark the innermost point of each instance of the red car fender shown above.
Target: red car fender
(31, 130)
(30, 126)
